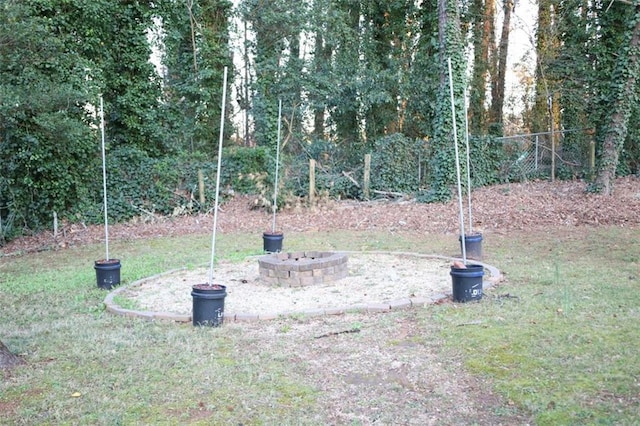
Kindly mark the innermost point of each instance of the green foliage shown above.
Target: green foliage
(394, 164)
(193, 80)
(138, 184)
(45, 138)
(486, 157)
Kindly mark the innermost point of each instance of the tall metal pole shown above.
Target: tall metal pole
(246, 87)
(104, 181)
(455, 141)
(275, 188)
(466, 138)
(215, 210)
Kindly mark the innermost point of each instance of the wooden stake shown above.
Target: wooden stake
(201, 187)
(312, 182)
(367, 176)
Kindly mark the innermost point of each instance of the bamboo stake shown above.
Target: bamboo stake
(104, 181)
(275, 185)
(215, 209)
(466, 138)
(455, 141)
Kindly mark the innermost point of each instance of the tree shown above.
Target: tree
(344, 98)
(46, 142)
(500, 69)
(623, 97)
(385, 48)
(450, 47)
(277, 26)
(483, 22)
(195, 46)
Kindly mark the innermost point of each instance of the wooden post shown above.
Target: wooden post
(367, 175)
(201, 187)
(312, 182)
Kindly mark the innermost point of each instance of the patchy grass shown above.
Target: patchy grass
(560, 338)
(558, 341)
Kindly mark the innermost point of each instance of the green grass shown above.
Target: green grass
(562, 347)
(566, 348)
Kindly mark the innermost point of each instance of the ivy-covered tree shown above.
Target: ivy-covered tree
(443, 143)
(345, 86)
(385, 50)
(277, 27)
(423, 77)
(622, 98)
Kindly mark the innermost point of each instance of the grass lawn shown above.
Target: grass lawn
(559, 340)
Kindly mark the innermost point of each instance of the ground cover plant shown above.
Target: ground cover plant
(554, 344)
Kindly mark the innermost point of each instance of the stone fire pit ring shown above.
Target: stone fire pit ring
(304, 268)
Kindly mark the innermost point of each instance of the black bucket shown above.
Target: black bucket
(208, 304)
(473, 245)
(272, 241)
(467, 283)
(107, 273)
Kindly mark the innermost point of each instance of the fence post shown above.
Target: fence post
(312, 182)
(537, 144)
(367, 175)
(201, 186)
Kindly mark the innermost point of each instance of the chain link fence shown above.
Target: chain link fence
(534, 156)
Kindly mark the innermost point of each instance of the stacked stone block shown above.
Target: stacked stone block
(301, 269)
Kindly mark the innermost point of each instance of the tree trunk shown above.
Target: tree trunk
(7, 359)
(319, 109)
(621, 110)
(484, 42)
(498, 80)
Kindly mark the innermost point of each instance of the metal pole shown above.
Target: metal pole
(215, 210)
(537, 142)
(455, 141)
(104, 181)
(466, 139)
(275, 186)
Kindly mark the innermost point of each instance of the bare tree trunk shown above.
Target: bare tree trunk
(484, 42)
(7, 359)
(621, 110)
(498, 81)
(547, 45)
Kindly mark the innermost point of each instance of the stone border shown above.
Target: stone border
(495, 276)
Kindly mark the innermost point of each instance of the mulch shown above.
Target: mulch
(500, 208)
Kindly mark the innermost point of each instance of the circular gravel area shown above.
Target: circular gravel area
(377, 282)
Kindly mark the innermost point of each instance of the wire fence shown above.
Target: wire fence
(535, 156)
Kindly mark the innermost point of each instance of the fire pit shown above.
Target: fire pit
(301, 269)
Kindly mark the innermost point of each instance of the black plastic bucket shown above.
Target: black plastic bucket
(272, 242)
(467, 283)
(473, 245)
(107, 273)
(208, 304)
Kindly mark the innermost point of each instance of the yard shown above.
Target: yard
(555, 343)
